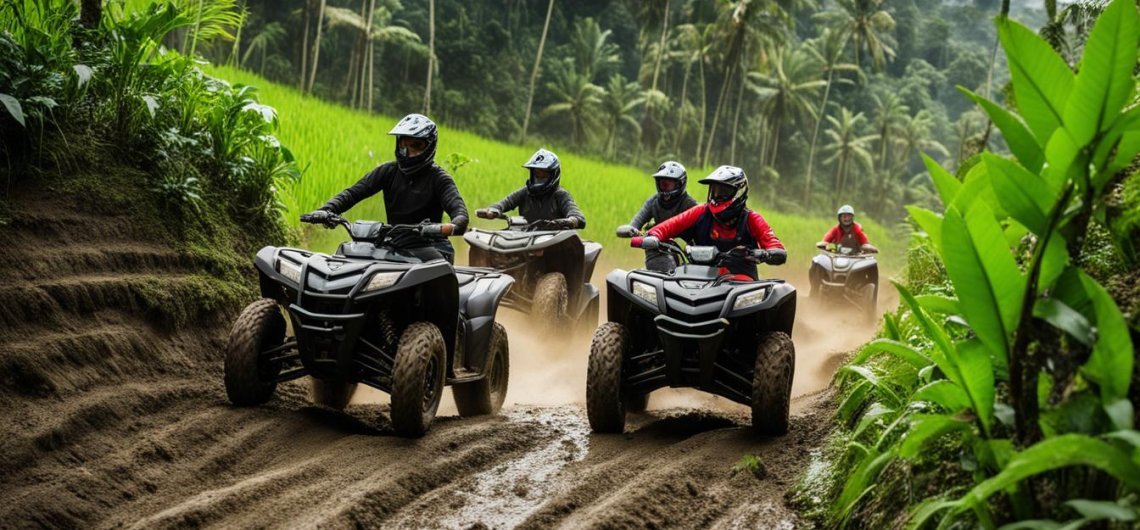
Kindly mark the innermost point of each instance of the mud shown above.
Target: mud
(116, 417)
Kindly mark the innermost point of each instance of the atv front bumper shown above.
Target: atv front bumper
(691, 355)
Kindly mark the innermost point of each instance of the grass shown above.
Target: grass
(338, 145)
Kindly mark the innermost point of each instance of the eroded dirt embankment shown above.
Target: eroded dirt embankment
(115, 415)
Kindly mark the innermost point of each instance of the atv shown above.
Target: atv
(694, 327)
(385, 311)
(552, 268)
(846, 275)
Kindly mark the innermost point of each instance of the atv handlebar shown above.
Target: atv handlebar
(425, 229)
(668, 246)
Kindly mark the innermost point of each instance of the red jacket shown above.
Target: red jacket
(835, 235)
(763, 234)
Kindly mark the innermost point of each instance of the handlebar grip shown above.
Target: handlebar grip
(635, 242)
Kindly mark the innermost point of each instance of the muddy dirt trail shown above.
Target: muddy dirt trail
(113, 416)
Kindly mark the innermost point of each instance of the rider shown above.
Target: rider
(670, 200)
(542, 199)
(726, 223)
(847, 233)
(415, 188)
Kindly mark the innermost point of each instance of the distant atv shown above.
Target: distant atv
(693, 328)
(378, 312)
(552, 269)
(847, 276)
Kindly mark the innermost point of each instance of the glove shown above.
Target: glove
(567, 223)
(627, 231)
(488, 213)
(758, 255)
(650, 243)
(821, 245)
(319, 217)
(869, 248)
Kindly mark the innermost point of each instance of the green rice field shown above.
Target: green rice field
(337, 145)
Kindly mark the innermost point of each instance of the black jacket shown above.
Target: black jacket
(407, 199)
(654, 211)
(557, 204)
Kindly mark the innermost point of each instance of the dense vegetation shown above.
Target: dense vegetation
(847, 92)
(1005, 387)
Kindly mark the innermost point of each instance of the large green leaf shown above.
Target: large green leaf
(1064, 318)
(929, 222)
(1042, 81)
(944, 353)
(1061, 152)
(904, 352)
(945, 394)
(1021, 193)
(14, 108)
(1110, 364)
(1054, 262)
(977, 189)
(881, 387)
(947, 184)
(978, 378)
(1021, 142)
(985, 276)
(1105, 83)
(936, 303)
(925, 427)
(1055, 453)
(1100, 510)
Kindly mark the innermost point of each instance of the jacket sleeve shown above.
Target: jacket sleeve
(762, 232)
(451, 201)
(371, 184)
(510, 202)
(677, 224)
(860, 234)
(832, 236)
(642, 216)
(569, 208)
(688, 201)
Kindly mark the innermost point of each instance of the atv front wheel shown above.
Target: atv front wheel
(332, 394)
(772, 384)
(417, 380)
(486, 395)
(550, 300)
(249, 377)
(604, 404)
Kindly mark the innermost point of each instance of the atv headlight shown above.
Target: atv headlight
(750, 299)
(645, 292)
(381, 280)
(290, 270)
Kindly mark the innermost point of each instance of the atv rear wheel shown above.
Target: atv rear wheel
(332, 394)
(486, 395)
(417, 378)
(551, 298)
(772, 383)
(249, 377)
(605, 405)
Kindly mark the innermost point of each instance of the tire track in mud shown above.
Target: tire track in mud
(116, 419)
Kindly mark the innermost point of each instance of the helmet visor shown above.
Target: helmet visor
(719, 192)
(541, 176)
(666, 185)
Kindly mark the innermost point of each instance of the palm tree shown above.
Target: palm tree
(593, 53)
(847, 150)
(384, 31)
(914, 138)
(577, 97)
(431, 56)
(787, 92)
(695, 46)
(868, 25)
(618, 105)
(534, 71)
(269, 36)
(828, 49)
(316, 48)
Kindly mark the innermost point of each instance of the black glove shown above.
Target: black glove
(431, 230)
(488, 213)
(627, 231)
(319, 217)
(650, 243)
(759, 255)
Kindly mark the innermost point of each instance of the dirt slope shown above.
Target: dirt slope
(115, 416)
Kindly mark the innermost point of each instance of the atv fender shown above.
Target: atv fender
(480, 307)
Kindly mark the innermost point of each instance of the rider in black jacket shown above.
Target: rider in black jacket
(415, 188)
(542, 199)
(670, 200)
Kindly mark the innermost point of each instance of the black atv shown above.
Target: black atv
(848, 276)
(695, 328)
(383, 311)
(552, 269)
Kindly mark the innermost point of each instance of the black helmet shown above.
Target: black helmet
(728, 193)
(543, 159)
(415, 126)
(671, 171)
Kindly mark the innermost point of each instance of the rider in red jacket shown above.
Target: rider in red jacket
(847, 233)
(725, 222)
